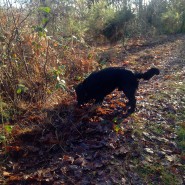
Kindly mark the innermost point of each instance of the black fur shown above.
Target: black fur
(101, 83)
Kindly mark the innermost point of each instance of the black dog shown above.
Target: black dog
(101, 83)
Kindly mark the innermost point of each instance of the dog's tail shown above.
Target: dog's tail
(148, 74)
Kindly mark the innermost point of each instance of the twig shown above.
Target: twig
(45, 64)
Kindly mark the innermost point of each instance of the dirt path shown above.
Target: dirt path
(104, 148)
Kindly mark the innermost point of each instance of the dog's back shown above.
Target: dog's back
(110, 78)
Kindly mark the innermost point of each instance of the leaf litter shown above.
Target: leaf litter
(102, 145)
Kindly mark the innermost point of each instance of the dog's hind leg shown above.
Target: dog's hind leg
(130, 94)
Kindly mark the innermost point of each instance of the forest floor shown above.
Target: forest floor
(103, 146)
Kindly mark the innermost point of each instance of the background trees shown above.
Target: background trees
(90, 18)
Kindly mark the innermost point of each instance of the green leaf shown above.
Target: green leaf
(78, 78)
(44, 20)
(116, 128)
(21, 88)
(8, 128)
(42, 34)
(115, 120)
(2, 138)
(89, 56)
(38, 28)
(45, 9)
(19, 91)
(61, 85)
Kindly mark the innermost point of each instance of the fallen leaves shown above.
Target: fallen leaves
(100, 145)
(12, 149)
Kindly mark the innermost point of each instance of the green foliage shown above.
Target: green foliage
(61, 84)
(123, 16)
(5, 132)
(115, 29)
(157, 172)
(171, 21)
(8, 128)
(157, 129)
(2, 138)
(98, 15)
(4, 111)
(166, 16)
(183, 22)
(4, 116)
(87, 19)
(40, 30)
(21, 88)
(57, 74)
(117, 128)
(58, 71)
(181, 137)
(45, 9)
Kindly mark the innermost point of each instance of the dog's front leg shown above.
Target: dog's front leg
(99, 99)
(132, 103)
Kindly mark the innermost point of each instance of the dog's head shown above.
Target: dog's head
(82, 95)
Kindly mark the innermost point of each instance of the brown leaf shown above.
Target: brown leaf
(121, 152)
(68, 158)
(126, 62)
(79, 161)
(6, 174)
(15, 178)
(12, 148)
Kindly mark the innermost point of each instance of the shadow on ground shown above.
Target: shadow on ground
(73, 146)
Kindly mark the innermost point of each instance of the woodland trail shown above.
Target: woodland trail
(102, 147)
